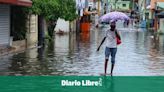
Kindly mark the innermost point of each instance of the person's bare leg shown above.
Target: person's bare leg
(113, 54)
(105, 66)
(112, 67)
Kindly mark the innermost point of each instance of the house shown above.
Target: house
(124, 5)
(5, 18)
(121, 5)
(156, 6)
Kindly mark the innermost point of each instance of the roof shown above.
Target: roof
(17, 2)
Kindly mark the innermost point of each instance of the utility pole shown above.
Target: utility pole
(115, 4)
(107, 6)
(99, 7)
(133, 5)
(156, 18)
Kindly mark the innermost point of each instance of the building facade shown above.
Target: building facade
(120, 5)
(4, 24)
(5, 21)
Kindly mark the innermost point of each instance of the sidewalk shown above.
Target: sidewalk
(16, 48)
(9, 50)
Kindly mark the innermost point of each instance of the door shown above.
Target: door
(4, 24)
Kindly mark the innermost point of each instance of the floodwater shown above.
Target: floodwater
(140, 54)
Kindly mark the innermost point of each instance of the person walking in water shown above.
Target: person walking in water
(111, 46)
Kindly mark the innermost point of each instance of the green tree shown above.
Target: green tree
(51, 10)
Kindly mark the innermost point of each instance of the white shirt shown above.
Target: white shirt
(80, 5)
(111, 39)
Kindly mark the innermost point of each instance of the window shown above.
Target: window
(124, 5)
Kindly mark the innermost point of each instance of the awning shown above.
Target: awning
(17, 2)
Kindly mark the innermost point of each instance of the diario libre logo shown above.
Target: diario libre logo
(81, 82)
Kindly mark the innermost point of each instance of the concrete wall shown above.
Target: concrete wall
(73, 25)
(161, 26)
(32, 33)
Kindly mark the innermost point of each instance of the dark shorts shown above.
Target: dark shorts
(112, 52)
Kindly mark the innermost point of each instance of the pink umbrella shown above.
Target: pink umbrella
(114, 16)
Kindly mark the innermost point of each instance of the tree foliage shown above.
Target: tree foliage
(53, 9)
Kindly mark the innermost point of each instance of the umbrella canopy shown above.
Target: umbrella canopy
(114, 16)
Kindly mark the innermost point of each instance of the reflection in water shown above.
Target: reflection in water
(141, 53)
(109, 84)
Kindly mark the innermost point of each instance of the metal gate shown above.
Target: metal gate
(4, 24)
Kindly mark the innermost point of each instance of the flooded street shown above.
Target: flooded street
(141, 53)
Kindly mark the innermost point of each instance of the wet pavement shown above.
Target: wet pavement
(141, 53)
